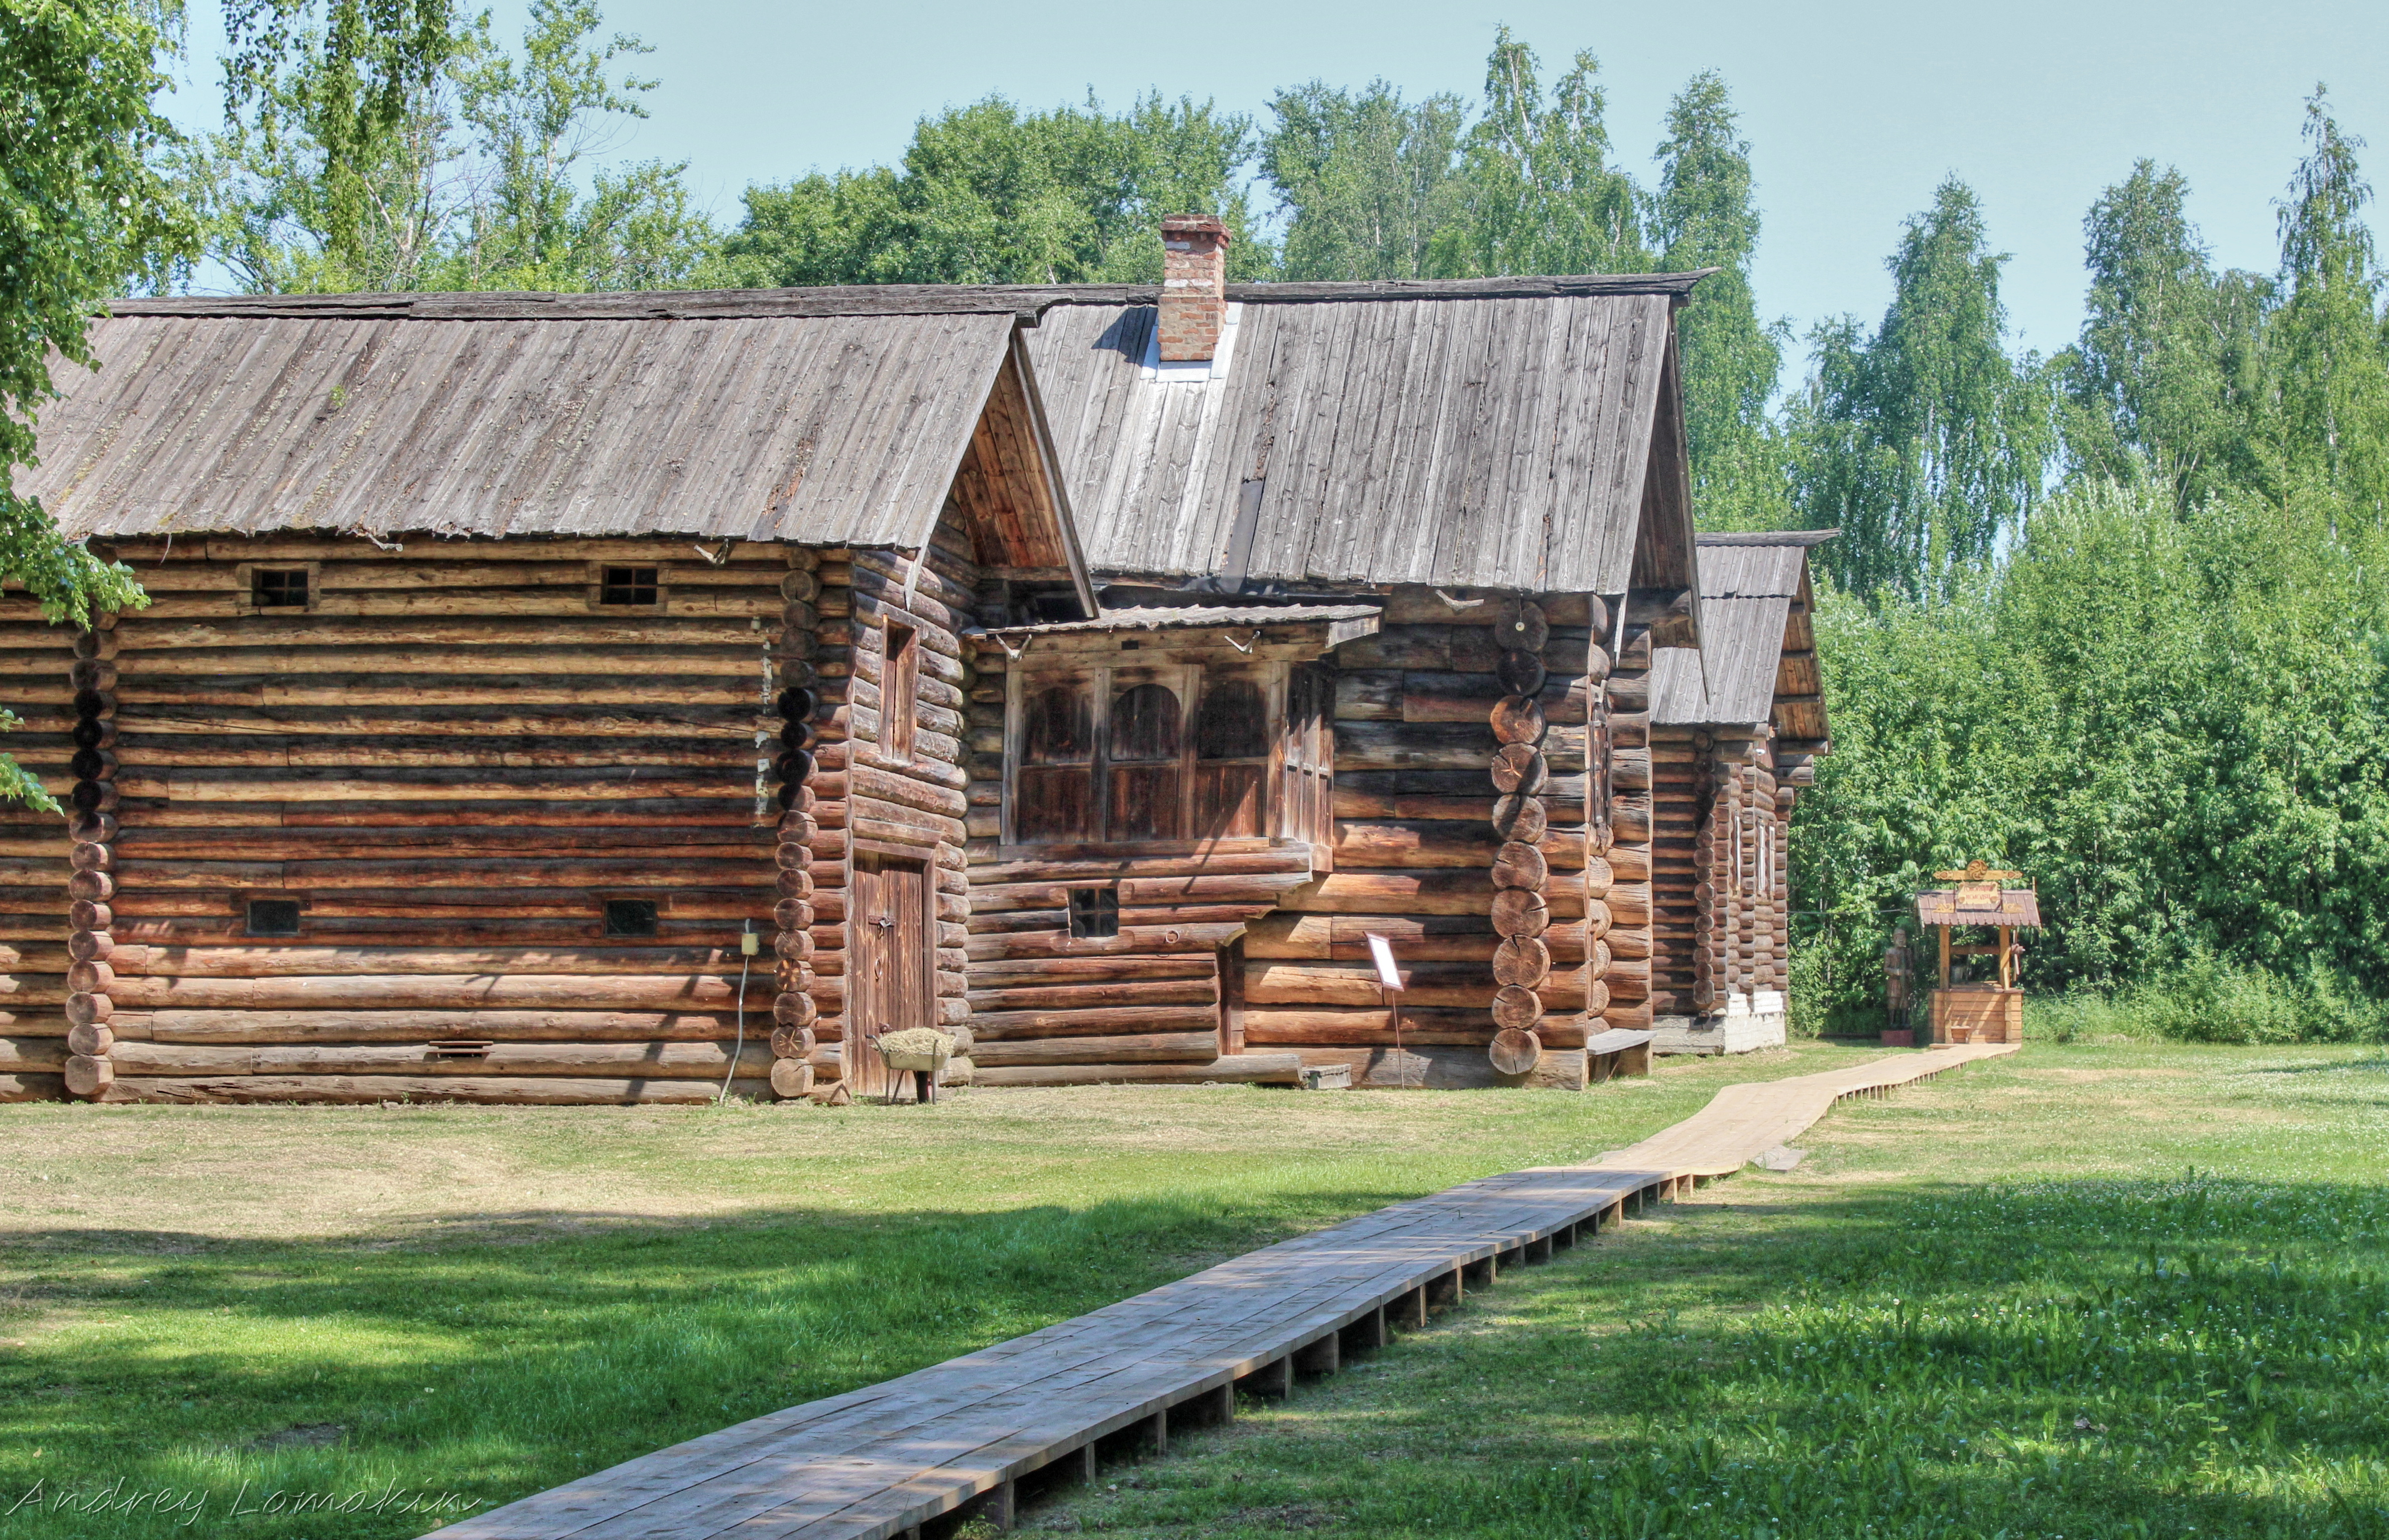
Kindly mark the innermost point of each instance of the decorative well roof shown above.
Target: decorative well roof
(2012, 907)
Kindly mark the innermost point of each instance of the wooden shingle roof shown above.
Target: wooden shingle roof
(350, 413)
(1756, 662)
(2017, 907)
(1517, 433)
(1480, 435)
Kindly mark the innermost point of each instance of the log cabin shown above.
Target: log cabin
(1736, 729)
(505, 725)
(651, 698)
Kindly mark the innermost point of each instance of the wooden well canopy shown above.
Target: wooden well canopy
(1979, 1013)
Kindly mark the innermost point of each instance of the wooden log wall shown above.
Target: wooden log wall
(1424, 853)
(915, 803)
(1630, 914)
(1779, 888)
(39, 660)
(795, 1012)
(449, 759)
(1155, 1003)
(1521, 912)
(92, 821)
(1681, 787)
(1742, 942)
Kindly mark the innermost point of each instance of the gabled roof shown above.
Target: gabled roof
(1515, 433)
(457, 414)
(1750, 586)
(1496, 434)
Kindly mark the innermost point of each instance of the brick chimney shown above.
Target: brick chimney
(1194, 287)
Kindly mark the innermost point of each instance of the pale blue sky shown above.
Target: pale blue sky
(1854, 110)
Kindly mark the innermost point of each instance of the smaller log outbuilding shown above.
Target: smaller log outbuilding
(1736, 730)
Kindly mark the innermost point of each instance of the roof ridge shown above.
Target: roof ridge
(1765, 537)
(1025, 300)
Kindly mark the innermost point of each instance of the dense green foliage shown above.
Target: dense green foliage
(394, 144)
(83, 212)
(990, 194)
(2118, 620)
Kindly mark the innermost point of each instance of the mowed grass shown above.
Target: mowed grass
(2109, 1290)
(311, 1323)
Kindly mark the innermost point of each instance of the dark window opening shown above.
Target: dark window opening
(630, 917)
(1234, 723)
(1053, 797)
(1307, 805)
(627, 586)
(1094, 912)
(272, 916)
(1232, 748)
(278, 590)
(1054, 609)
(1143, 750)
(899, 694)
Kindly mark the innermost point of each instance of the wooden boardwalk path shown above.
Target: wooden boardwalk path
(966, 1436)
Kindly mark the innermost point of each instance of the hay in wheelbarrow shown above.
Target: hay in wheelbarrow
(915, 1048)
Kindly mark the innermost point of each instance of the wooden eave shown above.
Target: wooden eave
(1799, 707)
(1008, 488)
(1665, 553)
(1283, 641)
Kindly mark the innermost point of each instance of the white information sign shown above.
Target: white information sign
(1381, 952)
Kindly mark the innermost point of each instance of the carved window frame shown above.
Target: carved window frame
(1102, 677)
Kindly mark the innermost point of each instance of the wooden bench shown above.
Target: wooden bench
(1617, 1052)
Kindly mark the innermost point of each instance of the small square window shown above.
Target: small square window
(630, 917)
(1094, 912)
(283, 589)
(272, 916)
(627, 586)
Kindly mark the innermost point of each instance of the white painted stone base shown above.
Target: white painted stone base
(1748, 1023)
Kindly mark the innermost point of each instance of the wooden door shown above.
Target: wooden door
(892, 980)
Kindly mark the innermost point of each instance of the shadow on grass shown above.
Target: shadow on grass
(2376, 1066)
(505, 1355)
(2083, 1358)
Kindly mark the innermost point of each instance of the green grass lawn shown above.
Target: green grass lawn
(2129, 1290)
(222, 1304)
